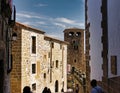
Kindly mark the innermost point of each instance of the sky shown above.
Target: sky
(51, 16)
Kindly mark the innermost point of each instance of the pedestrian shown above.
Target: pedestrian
(95, 87)
(26, 89)
(45, 90)
(48, 91)
(62, 90)
(77, 88)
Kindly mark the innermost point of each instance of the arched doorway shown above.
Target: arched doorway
(56, 86)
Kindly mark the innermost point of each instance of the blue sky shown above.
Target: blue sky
(51, 16)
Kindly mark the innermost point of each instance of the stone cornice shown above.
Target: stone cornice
(29, 28)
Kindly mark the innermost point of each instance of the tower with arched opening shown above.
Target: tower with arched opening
(75, 51)
(76, 64)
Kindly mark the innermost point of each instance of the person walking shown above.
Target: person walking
(77, 88)
(45, 90)
(95, 87)
(48, 91)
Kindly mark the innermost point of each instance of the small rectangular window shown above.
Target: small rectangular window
(34, 87)
(56, 63)
(33, 44)
(114, 65)
(33, 68)
(52, 45)
(44, 75)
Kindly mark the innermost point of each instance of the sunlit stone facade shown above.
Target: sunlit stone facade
(38, 61)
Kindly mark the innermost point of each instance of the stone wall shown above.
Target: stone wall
(4, 55)
(16, 61)
(58, 64)
(75, 57)
(44, 57)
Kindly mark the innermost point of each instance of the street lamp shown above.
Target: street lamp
(14, 36)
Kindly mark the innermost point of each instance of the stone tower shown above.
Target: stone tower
(75, 52)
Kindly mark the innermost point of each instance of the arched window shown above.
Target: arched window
(78, 34)
(75, 60)
(71, 33)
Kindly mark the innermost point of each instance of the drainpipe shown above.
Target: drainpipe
(51, 62)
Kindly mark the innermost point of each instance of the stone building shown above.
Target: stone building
(75, 54)
(6, 25)
(37, 60)
(75, 57)
(58, 64)
(102, 30)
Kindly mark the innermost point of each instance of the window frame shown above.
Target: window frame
(33, 35)
(57, 64)
(33, 44)
(34, 89)
(33, 71)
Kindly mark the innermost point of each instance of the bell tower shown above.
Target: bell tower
(75, 51)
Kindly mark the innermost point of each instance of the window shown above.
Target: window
(52, 44)
(71, 33)
(33, 68)
(78, 34)
(34, 87)
(114, 65)
(75, 45)
(56, 86)
(33, 44)
(44, 75)
(56, 63)
(75, 60)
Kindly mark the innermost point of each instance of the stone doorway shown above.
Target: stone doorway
(56, 86)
